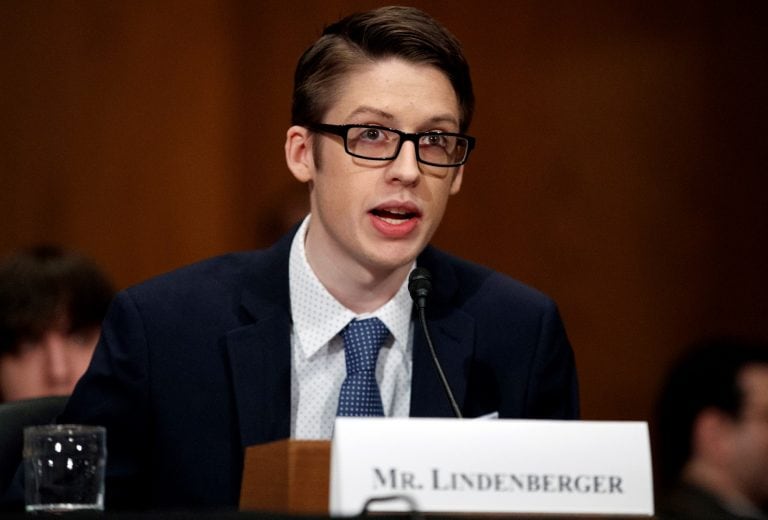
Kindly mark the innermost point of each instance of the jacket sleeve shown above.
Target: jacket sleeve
(114, 392)
(553, 391)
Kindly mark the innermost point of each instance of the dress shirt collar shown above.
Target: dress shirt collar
(318, 317)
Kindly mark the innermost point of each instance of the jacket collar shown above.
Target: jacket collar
(259, 351)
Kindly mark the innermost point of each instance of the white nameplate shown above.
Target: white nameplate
(500, 466)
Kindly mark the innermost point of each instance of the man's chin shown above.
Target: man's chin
(392, 261)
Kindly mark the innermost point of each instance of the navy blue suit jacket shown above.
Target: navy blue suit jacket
(193, 366)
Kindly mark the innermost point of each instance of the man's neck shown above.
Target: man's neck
(359, 288)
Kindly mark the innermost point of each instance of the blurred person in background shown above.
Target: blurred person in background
(52, 302)
(713, 433)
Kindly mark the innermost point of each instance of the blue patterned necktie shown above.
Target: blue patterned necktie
(359, 396)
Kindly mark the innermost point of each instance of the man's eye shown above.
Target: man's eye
(27, 347)
(371, 134)
(434, 140)
(84, 337)
(78, 337)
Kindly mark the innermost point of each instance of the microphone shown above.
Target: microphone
(420, 285)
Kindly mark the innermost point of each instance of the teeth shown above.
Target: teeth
(393, 216)
(398, 214)
(394, 221)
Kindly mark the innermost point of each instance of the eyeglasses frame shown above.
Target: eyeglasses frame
(343, 130)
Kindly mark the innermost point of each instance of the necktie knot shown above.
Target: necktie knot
(359, 392)
(362, 341)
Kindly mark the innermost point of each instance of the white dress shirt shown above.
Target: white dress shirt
(317, 351)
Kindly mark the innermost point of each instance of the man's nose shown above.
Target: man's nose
(58, 367)
(405, 167)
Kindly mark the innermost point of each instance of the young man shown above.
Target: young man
(52, 302)
(195, 365)
(713, 433)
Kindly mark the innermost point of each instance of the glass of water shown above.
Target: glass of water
(64, 468)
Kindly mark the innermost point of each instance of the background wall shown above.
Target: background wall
(620, 166)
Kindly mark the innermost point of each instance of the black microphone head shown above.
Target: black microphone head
(420, 284)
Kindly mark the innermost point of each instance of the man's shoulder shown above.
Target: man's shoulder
(473, 282)
(219, 268)
(218, 277)
(228, 268)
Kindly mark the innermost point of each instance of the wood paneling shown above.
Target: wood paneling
(620, 167)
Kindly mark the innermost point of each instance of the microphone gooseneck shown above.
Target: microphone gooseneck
(420, 285)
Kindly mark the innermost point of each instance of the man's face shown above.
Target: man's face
(372, 218)
(50, 366)
(750, 435)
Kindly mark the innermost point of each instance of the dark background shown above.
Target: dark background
(620, 167)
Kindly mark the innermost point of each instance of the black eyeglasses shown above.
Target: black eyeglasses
(378, 143)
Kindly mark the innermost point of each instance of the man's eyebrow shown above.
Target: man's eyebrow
(365, 109)
(444, 119)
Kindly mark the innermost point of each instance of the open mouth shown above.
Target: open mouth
(394, 216)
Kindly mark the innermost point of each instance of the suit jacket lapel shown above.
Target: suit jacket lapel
(452, 332)
(453, 338)
(260, 364)
(259, 351)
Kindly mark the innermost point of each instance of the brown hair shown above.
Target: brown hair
(401, 32)
(44, 284)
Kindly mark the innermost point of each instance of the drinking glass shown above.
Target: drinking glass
(64, 467)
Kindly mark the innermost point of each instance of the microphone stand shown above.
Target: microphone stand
(420, 285)
(449, 393)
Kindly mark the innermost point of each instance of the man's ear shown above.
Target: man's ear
(298, 153)
(456, 181)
